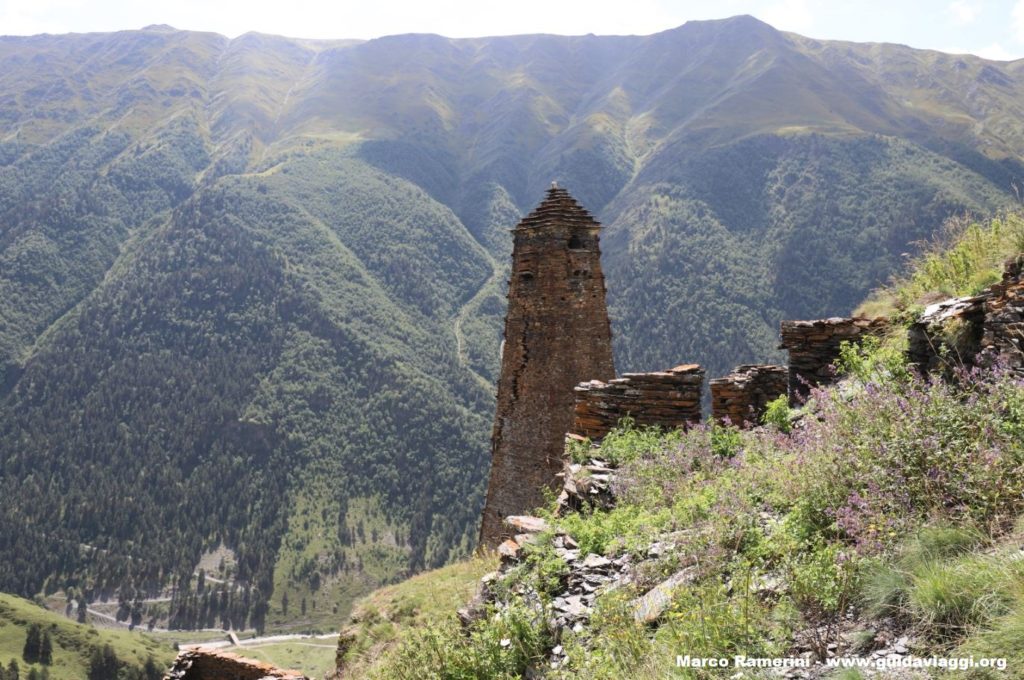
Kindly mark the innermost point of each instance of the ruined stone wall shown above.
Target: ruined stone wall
(201, 664)
(741, 397)
(668, 399)
(1002, 337)
(814, 347)
(557, 334)
(979, 330)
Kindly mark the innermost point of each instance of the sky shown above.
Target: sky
(989, 28)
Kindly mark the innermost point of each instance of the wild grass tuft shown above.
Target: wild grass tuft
(962, 260)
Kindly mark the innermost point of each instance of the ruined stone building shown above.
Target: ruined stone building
(557, 334)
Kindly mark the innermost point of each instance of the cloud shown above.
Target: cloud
(996, 52)
(791, 15)
(1017, 20)
(963, 12)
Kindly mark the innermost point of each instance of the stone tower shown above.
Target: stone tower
(557, 335)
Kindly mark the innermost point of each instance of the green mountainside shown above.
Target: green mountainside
(251, 289)
(77, 650)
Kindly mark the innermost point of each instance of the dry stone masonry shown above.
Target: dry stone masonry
(203, 664)
(741, 397)
(1002, 337)
(668, 399)
(980, 330)
(556, 335)
(814, 347)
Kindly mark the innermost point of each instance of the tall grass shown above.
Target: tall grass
(962, 260)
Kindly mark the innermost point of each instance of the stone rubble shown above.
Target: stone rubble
(588, 574)
(585, 486)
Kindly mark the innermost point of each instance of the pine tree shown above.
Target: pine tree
(33, 644)
(103, 664)
(33, 674)
(13, 672)
(151, 671)
(46, 649)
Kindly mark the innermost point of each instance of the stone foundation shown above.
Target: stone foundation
(741, 397)
(201, 664)
(814, 347)
(667, 399)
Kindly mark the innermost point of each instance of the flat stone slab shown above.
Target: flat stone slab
(509, 550)
(649, 608)
(526, 524)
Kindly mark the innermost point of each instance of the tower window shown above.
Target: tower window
(575, 242)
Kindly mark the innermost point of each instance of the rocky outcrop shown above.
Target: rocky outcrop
(586, 486)
(968, 332)
(813, 348)
(587, 575)
(668, 399)
(557, 333)
(741, 397)
(202, 664)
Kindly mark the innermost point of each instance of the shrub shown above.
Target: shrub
(627, 442)
(501, 647)
(628, 526)
(873, 361)
(726, 440)
(777, 414)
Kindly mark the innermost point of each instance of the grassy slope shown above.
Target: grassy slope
(314, 658)
(962, 261)
(384, 618)
(73, 642)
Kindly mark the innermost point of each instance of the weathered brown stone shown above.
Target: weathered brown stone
(668, 399)
(202, 664)
(814, 347)
(526, 524)
(980, 330)
(742, 396)
(556, 334)
(509, 550)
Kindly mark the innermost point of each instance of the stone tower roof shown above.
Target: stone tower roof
(561, 208)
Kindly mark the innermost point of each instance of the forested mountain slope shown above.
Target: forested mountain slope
(250, 289)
